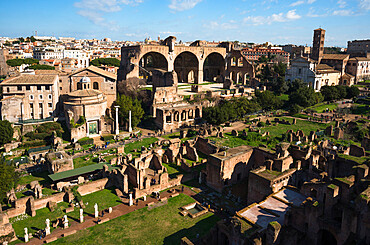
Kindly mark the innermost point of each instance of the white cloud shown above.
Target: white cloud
(281, 17)
(93, 10)
(342, 4)
(343, 12)
(171, 33)
(297, 3)
(181, 5)
(313, 14)
(221, 26)
(311, 1)
(365, 4)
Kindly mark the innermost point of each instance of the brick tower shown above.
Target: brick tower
(318, 44)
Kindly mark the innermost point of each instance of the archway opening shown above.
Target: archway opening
(326, 238)
(184, 64)
(197, 113)
(151, 61)
(214, 66)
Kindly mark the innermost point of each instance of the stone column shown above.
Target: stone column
(81, 215)
(96, 210)
(200, 178)
(129, 122)
(117, 126)
(65, 222)
(131, 202)
(110, 210)
(47, 229)
(26, 235)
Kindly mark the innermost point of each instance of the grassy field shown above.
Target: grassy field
(321, 107)
(105, 199)
(129, 148)
(360, 109)
(81, 162)
(305, 126)
(162, 225)
(252, 139)
(41, 177)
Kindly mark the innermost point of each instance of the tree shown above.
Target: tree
(305, 97)
(41, 67)
(279, 85)
(127, 104)
(295, 85)
(6, 132)
(352, 92)
(268, 100)
(105, 61)
(329, 92)
(14, 62)
(8, 178)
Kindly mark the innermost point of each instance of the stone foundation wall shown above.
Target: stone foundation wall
(161, 186)
(94, 186)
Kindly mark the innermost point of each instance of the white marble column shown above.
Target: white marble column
(26, 235)
(129, 122)
(81, 215)
(65, 222)
(117, 126)
(131, 202)
(47, 229)
(96, 210)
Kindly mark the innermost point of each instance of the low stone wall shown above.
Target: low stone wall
(42, 203)
(93, 186)
(162, 186)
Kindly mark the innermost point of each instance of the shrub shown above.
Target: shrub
(261, 124)
(86, 141)
(108, 137)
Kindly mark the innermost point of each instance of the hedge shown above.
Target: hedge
(86, 141)
(108, 137)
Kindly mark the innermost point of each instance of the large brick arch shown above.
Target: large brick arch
(184, 64)
(213, 66)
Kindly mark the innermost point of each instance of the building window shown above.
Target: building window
(50, 105)
(50, 113)
(39, 87)
(47, 87)
(299, 71)
(28, 87)
(31, 97)
(7, 89)
(111, 88)
(49, 96)
(41, 97)
(96, 86)
(19, 88)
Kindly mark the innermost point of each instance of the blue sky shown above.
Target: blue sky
(277, 21)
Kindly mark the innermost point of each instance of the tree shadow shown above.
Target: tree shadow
(202, 227)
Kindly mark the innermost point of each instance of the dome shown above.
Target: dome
(85, 79)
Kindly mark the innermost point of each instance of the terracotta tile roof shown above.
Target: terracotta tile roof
(324, 67)
(360, 59)
(335, 56)
(30, 79)
(14, 96)
(98, 71)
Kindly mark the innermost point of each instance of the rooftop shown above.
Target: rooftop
(84, 93)
(335, 56)
(273, 208)
(79, 171)
(98, 71)
(30, 80)
(233, 152)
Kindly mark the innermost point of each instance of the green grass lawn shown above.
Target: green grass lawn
(162, 225)
(41, 177)
(321, 107)
(104, 198)
(360, 109)
(81, 162)
(305, 126)
(129, 148)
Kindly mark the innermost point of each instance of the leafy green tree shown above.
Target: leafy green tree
(305, 97)
(352, 92)
(8, 178)
(14, 62)
(105, 61)
(41, 67)
(329, 93)
(268, 100)
(279, 85)
(6, 132)
(30, 61)
(295, 85)
(21, 39)
(127, 104)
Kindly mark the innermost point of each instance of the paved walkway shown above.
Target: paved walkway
(90, 221)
